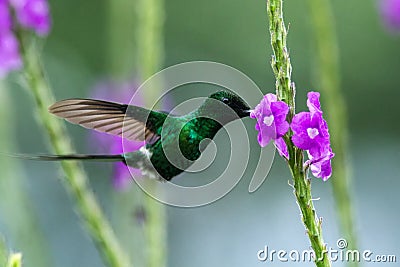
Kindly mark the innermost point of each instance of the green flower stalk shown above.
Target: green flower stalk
(149, 39)
(120, 56)
(155, 231)
(327, 71)
(75, 181)
(286, 92)
(146, 28)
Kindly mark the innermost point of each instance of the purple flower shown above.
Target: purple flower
(313, 103)
(271, 121)
(105, 143)
(310, 132)
(5, 17)
(9, 49)
(282, 147)
(33, 14)
(9, 53)
(321, 167)
(390, 11)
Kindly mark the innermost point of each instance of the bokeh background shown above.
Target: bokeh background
(230, 231)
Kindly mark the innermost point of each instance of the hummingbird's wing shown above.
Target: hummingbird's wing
(130, 122)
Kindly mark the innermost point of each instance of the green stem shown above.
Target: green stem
(75, 181)
(150, 40)
(148, 55)
(286, 91)
(120, 27)
(21, 220)
(155, 230)
(150, 49)
(121, 55)
(327, 59)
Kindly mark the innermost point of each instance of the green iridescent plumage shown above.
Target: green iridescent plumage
(172, 142)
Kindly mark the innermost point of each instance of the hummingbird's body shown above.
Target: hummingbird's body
(172, 142)
(192, 133)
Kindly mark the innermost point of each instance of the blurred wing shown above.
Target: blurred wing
(130, 122)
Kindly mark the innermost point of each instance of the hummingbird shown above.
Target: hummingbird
(180, 135)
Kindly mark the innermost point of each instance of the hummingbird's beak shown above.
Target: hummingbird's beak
(246, 113)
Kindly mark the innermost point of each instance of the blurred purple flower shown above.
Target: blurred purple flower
(104, 143)
(31, 14)
(5, 17)
(9, 50)
(271, 121)
(390, 11)
(120, 92)
(9, 54)
(310, 132)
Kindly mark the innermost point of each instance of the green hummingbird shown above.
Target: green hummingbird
(161, 131)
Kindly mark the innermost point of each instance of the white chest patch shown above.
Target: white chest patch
(145, 152)
(146, 166)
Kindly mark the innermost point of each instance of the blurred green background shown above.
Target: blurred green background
(232, 230)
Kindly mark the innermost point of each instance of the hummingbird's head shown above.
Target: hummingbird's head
(225, 107)
(235, 102)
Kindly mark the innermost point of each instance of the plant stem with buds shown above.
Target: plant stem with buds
(286, 91)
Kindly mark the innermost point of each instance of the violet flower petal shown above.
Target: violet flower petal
(282, 147)
(313, 103)
(271, 119)
(310, 133)
(300, 123)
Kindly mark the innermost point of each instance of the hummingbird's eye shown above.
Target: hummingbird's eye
(225, 100)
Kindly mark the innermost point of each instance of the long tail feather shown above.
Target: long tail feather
(109, 158)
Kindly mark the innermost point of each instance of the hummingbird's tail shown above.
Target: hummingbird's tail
(109, 158)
